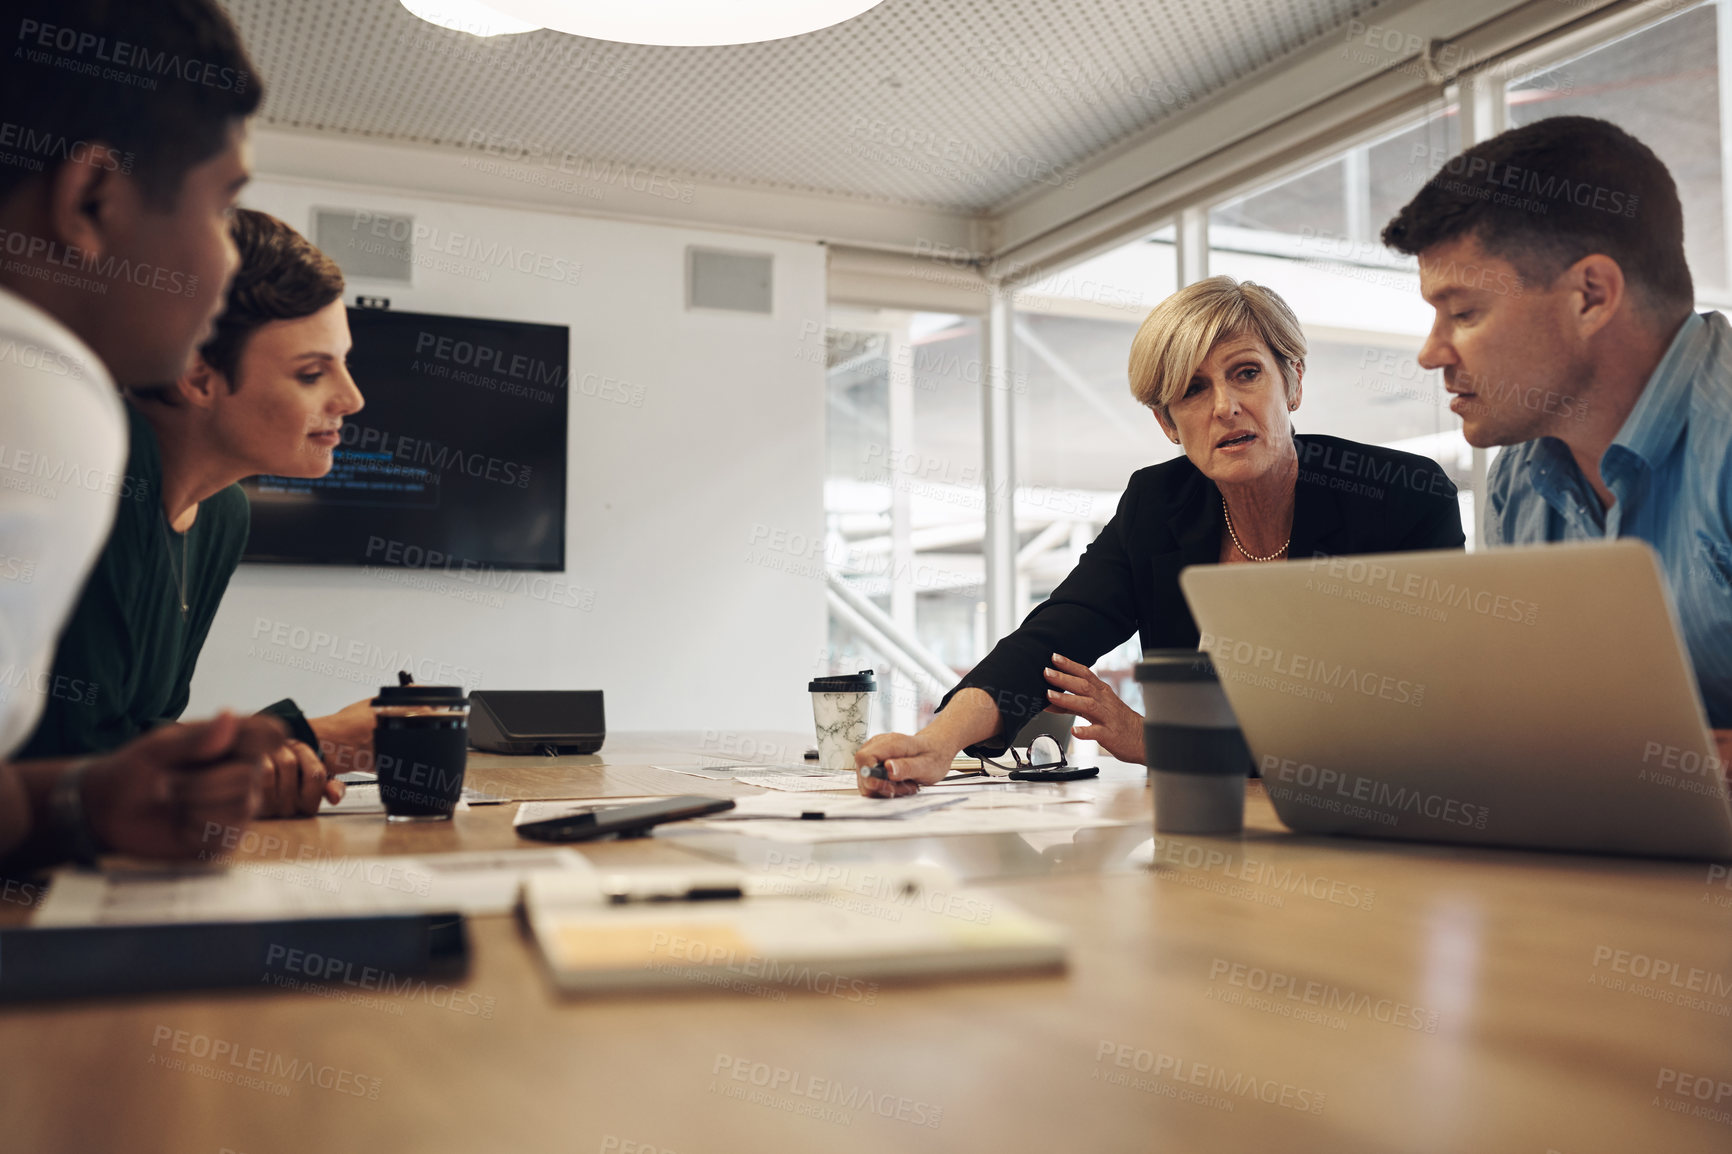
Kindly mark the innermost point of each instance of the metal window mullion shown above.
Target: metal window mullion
(1723, 34)
(902, 588)
(1356, 190)
(1192, 229)
(1484, 104)
(998, 455)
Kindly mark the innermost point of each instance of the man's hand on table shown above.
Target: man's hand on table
(163, 794)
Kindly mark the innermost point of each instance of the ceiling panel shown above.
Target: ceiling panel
(955, 104)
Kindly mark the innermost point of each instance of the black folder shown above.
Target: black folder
(52, 962)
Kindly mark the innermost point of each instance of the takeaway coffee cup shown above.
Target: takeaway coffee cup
(420, 750)
(839, 707)
(1197, 757)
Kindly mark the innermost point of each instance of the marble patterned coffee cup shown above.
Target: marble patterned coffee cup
(839, 709)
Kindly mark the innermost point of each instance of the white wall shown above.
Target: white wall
(688, 628)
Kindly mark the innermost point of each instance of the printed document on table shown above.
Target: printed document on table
(854, 807)
(470, 883)
(739, 771)
(850, 806)
(363, 798)
(793, 781)
(919, 815)
(723, 771)
(943, 823)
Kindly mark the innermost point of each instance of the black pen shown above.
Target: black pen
(621, 891)
(622, 897)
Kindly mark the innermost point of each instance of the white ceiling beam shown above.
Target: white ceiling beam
(632, 193)
(939, 281)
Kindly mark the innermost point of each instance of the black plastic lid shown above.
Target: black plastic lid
(1175, 665)
(860, 682)
(420, 695)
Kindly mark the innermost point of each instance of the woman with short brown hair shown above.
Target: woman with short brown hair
(266, 393)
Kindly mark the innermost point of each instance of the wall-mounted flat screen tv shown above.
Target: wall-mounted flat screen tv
(458, 459)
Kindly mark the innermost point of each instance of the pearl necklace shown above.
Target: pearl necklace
(1243, 552)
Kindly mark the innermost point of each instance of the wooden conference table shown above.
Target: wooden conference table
(1361, 997)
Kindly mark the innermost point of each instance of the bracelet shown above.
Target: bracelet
(67, 818)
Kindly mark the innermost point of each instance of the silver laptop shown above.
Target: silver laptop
(1523, 697)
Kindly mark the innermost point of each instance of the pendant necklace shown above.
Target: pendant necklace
(180, 577)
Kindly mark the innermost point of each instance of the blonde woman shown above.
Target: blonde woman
(1221, 364)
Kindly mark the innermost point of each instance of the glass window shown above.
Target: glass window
(947, 496)
(1661, 85)
(1079, 433)
(1359, 303)
(904, 495)
(1311, 201)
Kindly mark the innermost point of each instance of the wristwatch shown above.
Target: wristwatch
(68, 822)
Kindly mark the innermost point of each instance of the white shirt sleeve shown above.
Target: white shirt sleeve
(63, 445)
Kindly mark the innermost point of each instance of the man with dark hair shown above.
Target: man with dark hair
(1554, 257)
(122, 150)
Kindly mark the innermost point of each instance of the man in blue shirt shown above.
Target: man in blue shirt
(1554, 257)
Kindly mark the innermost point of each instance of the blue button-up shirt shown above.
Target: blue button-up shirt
(1670, 468)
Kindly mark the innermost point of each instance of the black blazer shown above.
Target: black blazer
(1349, 498)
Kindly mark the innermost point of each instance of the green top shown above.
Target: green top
(125, 661)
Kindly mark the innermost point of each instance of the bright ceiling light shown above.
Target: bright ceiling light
(685, 22)
(468, 16)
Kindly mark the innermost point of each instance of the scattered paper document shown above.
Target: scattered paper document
(944, 823)
(779, 817)
(360, 798)
(852, 807)
(302, 886)
(723, 772)
(796, 782)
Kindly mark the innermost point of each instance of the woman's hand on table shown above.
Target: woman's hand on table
(911, 760)
(296, 781)
(1115, 726)
(346, 737)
